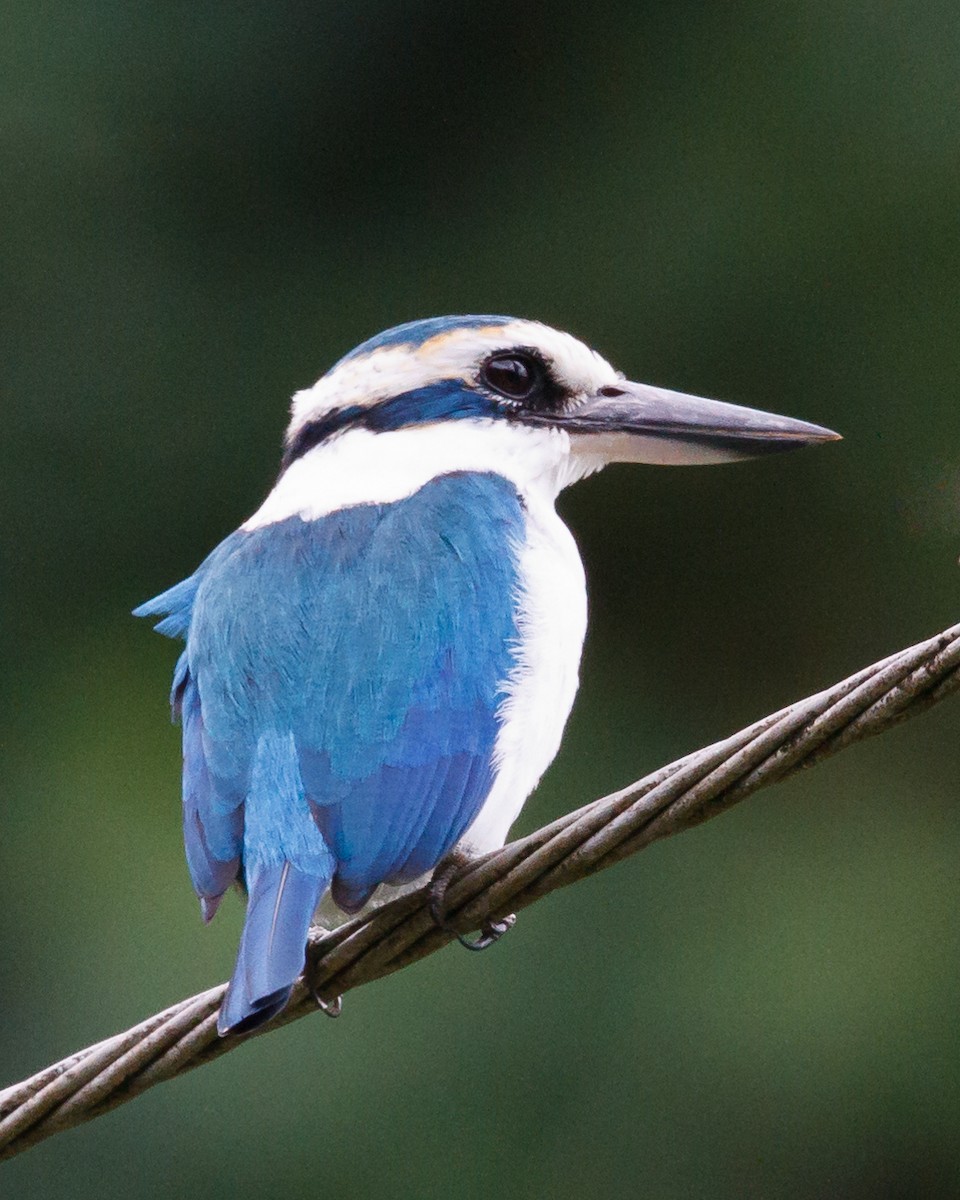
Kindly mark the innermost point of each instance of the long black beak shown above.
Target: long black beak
(633, 422)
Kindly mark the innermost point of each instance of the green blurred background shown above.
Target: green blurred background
(203, 207)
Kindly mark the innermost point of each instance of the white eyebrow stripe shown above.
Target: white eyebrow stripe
(451, 354)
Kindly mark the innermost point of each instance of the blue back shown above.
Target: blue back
(341, 685)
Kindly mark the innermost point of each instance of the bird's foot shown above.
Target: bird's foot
(329, 1008)
(490, 931)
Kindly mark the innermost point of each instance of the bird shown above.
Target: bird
(379, 663)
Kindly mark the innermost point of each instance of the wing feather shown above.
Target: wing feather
(376, 642)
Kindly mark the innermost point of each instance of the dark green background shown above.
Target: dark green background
(204, 206)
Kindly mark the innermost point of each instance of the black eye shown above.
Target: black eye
(516, 376)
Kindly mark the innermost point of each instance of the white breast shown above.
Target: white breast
(552, 620)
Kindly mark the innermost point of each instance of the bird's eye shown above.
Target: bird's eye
(516, 376)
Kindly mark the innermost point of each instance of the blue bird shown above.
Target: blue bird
(380, 662)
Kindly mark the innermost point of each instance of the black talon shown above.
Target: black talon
(329, 1008)
(490, 931)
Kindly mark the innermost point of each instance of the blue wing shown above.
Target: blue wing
(340, 693)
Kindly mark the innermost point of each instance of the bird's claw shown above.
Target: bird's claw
(490, 931)
(330, 1008)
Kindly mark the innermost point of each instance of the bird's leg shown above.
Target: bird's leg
(490, 931)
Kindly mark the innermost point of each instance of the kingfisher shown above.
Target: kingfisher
(380, 662)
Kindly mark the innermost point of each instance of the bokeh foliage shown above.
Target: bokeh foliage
(203, 207)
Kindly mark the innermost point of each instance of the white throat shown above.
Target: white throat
(362, 467)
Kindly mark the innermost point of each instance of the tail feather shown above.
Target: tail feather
(281, 904)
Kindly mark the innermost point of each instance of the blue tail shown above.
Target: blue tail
(282, 901)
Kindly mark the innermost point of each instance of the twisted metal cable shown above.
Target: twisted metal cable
(684, 793)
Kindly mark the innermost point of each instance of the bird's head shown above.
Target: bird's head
(494, 392)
